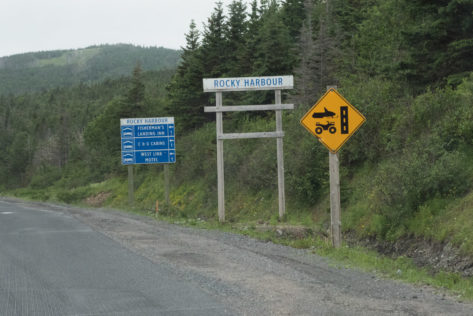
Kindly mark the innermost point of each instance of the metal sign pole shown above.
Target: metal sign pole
(131, 186)
(280, 154)
(147, 140)
(166, 184)
(220, 168)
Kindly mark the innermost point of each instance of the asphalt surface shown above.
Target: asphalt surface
(61, 260)
(52, 264)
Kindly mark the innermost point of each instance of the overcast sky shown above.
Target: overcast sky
(39, 25)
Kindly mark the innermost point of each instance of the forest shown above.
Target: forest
(33, 72)
(407, 65)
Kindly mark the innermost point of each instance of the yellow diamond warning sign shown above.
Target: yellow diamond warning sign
(333, 120)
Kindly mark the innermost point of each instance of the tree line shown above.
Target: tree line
(416, 43)
(33, 72)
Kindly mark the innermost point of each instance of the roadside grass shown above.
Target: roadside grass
(400, 268)
(447, 219)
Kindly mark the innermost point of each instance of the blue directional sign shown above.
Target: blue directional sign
(148, 140)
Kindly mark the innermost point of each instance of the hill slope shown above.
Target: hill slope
(45, 70)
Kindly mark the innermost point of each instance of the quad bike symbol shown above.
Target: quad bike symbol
(324, 127)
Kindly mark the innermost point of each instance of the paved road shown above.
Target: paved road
(52, 264)
(60, 260)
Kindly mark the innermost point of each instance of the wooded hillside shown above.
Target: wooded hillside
(32, 72)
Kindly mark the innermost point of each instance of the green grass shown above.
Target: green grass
(401, 268)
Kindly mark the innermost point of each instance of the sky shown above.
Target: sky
(41, 25)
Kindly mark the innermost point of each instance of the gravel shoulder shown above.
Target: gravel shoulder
(255, 277)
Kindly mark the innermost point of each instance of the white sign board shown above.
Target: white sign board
(248, 83)
(147, 121)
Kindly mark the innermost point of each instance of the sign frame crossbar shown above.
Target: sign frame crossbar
(244, 108)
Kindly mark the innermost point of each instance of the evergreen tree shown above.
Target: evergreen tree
(306, 71)
(326, 45)
(382, 23)
(293, 15)
(135, 98)
(274, 51)
(440, 43)
(237, 28)
(102, 134)
(250, 40)
(192, 45)
(185, 96)
(214, 44)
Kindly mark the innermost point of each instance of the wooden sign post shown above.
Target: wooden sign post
(333, 120)
(219, 85)
(335, 207)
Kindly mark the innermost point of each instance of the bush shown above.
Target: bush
(424, 172)
(34, 194)
(45, 176)
(73, 196)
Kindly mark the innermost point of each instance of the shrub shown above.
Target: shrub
(424, 172)
(45, 176)
(74, 195)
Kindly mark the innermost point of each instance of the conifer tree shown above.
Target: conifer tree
(185, 98)
(192, 45)
(250, 40)
(237, 28)
(293, 15)
(442, 45)
(214, 44)
(306, 71)
(326, 45)
(102, 134)
(135, 97)
(274, 51)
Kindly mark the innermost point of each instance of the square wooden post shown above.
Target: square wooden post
(280, 155)
(220, 166)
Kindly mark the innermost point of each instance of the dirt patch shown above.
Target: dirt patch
(425, 253)
(97, 200)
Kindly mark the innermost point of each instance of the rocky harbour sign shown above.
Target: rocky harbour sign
(248, 83)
